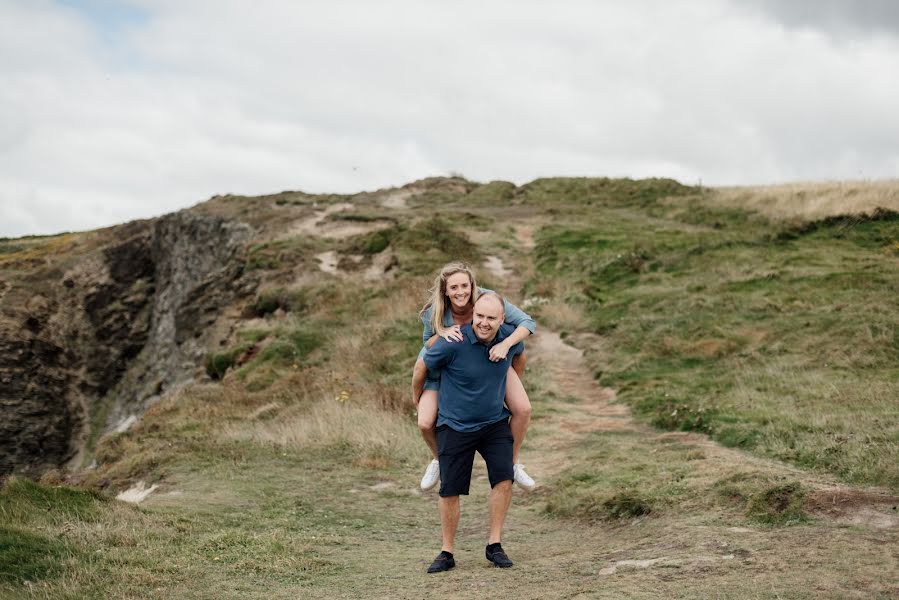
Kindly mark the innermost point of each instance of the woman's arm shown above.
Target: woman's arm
(501, 350)
(427, 332)
(518, 319)
(429, 336)
(524, 327)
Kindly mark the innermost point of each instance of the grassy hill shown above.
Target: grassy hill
(714, 384)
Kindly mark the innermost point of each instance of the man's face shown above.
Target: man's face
(488, 316)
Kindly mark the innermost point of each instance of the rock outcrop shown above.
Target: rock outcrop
(87, 340)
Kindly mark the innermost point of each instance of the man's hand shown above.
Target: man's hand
(453, 334)
(499, 351)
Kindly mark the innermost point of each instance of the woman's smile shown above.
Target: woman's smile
(458, 289)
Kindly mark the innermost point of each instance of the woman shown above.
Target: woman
(452, 305)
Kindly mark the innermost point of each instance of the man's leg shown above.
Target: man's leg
(500, 499)
(449, 521)
(496, 448)
(456, 453)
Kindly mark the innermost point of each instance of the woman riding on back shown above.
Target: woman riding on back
(450, 306)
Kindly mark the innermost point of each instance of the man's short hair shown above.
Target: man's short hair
(502, 301)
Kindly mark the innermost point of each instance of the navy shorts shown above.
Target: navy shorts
(455, 451)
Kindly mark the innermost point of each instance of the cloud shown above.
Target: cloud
(849, 19)
(169, 103)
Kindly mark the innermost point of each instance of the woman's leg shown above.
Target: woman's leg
(427, 418)
(520, 406)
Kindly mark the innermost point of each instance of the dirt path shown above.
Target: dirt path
(594, 411)
(318, 224)
(684, 550)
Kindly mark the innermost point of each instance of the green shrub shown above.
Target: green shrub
(281, 253)
(626, 505)
(430, 244)
(777, 505)
(493, 193)
(764, 500)
(603, 190)
(253, 335)
(218, 363)
(268, 301)
(681, 416)
(374, 242)
(292, 347)
(873, 230)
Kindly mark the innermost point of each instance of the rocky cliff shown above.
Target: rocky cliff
(97, 328)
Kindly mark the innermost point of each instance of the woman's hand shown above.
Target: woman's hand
(499, 351)
(453, 334)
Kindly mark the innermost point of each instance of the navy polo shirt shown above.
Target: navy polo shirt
(472, 387)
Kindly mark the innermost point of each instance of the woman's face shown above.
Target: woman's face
(458, 289)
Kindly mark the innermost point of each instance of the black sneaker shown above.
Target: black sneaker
(498, 557)
(443, 562)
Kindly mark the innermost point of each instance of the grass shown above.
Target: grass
(218, 363)
(737, 328)
(602, 191)
(811, 200)
(34, 252)
(274, 255)
(294, 474)
(765, 499)
(28, 554)
(420, 247)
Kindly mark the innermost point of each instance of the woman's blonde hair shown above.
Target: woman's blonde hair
(438, 299)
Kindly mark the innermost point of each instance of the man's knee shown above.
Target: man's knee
(503, 486)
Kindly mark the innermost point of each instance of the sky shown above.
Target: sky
(117, 110)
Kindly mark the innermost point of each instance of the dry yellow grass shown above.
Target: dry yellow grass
(812, 200)
(334, 422)
(563, 317)
(38, 250)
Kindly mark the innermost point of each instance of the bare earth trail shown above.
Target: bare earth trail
(849, 550)
(375, 532)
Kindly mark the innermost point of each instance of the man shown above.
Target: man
(472, 417)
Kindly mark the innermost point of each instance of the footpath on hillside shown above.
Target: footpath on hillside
(625, 510)
(844, 545)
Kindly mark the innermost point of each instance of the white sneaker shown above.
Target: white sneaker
(522, 478)
(432, 475)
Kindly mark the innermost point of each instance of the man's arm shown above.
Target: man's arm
(433, 358)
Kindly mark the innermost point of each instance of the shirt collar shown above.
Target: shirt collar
(468, 330)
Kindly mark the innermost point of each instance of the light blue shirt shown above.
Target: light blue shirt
(514, 316)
